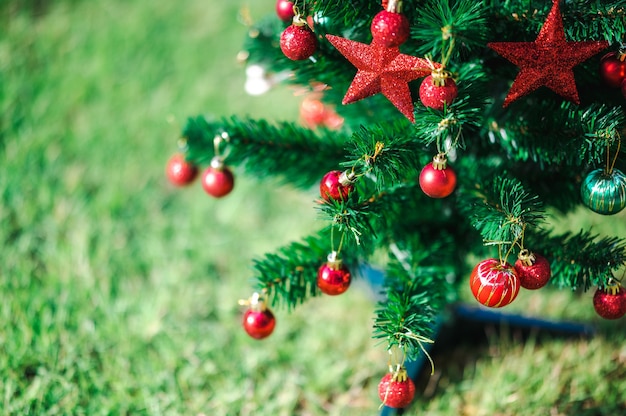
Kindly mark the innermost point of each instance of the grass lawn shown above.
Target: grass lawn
(119, 292)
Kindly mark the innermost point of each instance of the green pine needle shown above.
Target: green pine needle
(502, 211)
(582, 260)
(415, 289)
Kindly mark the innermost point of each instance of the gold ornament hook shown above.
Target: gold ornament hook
(218, 139)
(611, 165)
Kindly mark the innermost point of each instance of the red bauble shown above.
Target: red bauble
(217, 179)
(312, 112)
(437, 92)
(298, 42)
(437, 180)
(179, 171)
(396, 389)
(333, 121)
(336, 185)
(284, 10)
(610, 303)
(259, 323)
(613, 69)
(532, 269)
(258, 320)
(494, 284)
(333, 277)
(390, 28)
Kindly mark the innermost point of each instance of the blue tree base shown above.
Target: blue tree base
(465, 324)
(470, 324)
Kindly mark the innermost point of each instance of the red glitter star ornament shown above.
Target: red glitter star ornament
(382, 70)
(548, 61)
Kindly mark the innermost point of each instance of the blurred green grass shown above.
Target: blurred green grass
(119, 292)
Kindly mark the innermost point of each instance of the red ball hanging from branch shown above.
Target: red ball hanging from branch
(337, 185)
(438, 90)
(179, 171)
(610, 302)
(437, 179)
(532, 269)
(217, 179)
(333, 277)
(298, 42)
(314, 113)
(396, 389)
(390, 27)
(494, 283)
(258, 320)
(613, 68)
(284, 10)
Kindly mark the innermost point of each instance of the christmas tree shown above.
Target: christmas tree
(443, 136)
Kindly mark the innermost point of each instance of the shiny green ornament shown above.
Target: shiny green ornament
(603, 192)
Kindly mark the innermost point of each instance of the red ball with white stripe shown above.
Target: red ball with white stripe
(494, 283)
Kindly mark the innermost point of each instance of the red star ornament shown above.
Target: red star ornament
(382, 70)
(548, 61)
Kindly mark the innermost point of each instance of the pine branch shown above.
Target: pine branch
(502, 211)
(289, 276)
(367, 217)
(416, 288)
(327, 68)
(448, 128)
(591, 19)
(281, 150)
(354, 221)
(440, 22)
(351, 18)
(385, 153)
(571, 131)
(580, 260)
(521, 20)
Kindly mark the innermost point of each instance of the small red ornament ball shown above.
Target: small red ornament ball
(259, 324)
(335, 185)
(284, 10)
(312, 112)
(217, 179)
(494, 284)
(610, 303)
(179, 171)
(613, 69)
(532, 269)
(395, 393)
(298, 42)
(333, 277)
(437, 180)
(438, 92)
(390, 28)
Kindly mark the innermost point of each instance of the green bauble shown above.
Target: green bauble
(604, 193)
